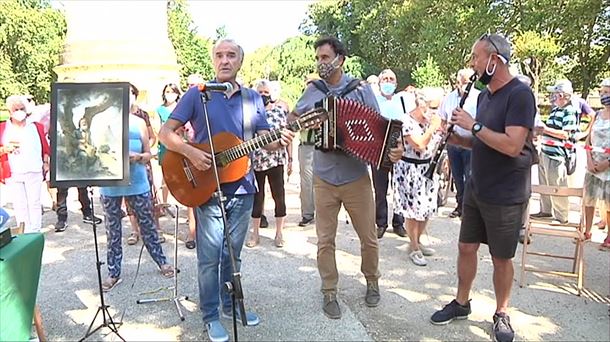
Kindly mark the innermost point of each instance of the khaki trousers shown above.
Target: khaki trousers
(357, 197)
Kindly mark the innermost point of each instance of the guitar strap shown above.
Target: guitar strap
(248, 110)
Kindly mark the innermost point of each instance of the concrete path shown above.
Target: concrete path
(282, 286)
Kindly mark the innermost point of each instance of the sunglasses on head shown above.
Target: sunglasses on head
(487, 37)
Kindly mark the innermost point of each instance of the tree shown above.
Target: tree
(428, 74)
(575, 34)
(32, 35)
(536, 54)
(192, 50)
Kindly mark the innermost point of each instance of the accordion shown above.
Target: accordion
(359, 131)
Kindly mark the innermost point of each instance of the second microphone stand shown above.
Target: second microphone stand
(233, 287)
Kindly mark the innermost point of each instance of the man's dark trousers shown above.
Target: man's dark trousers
(62, 206)
(380, 184)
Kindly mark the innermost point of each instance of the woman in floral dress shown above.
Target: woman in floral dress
(414, 194)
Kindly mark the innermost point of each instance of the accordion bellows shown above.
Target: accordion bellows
(358, 130)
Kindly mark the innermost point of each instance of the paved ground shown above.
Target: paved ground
(282, 285)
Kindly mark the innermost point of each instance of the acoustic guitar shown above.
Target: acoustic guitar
(193, 187)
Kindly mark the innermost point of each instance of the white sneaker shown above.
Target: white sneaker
(418, 258)
(426, 251)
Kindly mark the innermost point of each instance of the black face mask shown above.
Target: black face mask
(266, 99)
(487, 74)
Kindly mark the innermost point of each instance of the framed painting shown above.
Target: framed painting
(89, 134)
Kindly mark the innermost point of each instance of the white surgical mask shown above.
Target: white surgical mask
(132, 99)
(171, 97)
(19, 115)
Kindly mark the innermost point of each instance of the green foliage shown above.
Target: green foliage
(31, 39)
(428, 74)
(192, 51)
(550, 37)
(290, 63)
(536, 54)
(221, 33)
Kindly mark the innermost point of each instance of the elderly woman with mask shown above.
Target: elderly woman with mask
(414, 194)
(270, 165)
(24, 157)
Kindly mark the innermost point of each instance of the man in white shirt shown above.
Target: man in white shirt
(459, 158)
(392, 106)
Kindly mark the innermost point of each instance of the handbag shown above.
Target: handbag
(570, 160)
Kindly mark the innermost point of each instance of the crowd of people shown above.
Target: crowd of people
(491, 153)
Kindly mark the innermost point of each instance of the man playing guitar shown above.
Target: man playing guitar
(227, 112)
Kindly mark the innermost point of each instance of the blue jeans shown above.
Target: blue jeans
(213, 261)
(459, 160)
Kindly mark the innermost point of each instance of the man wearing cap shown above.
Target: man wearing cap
(497, 193)
(581, 107)
(559, 128)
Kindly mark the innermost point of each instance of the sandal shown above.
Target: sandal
(601, 225)
(133, 239)
(587, 236)
(253, 242)
(166, 270)
(279, 242)
(190, 244)
(110, 283)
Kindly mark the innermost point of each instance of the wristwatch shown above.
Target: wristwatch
(476, 128)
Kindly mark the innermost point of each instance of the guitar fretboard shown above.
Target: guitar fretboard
(246, 147)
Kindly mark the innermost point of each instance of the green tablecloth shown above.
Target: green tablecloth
(19, 274)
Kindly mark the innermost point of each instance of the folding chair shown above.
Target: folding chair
(572, 231)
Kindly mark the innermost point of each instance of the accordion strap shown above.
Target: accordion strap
(416, 161)
(351, 86)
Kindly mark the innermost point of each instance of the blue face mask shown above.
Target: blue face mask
(605, 100)
(387, 88)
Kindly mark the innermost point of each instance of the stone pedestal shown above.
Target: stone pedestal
(119, 41)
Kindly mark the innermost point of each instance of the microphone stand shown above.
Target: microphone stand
(176, 298)
(107, 318)
(233, 287)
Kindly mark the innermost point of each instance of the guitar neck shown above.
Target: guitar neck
(247, 147)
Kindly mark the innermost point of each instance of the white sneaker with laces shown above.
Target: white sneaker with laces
(418, 258)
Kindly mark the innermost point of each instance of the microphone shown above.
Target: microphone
(225, 87)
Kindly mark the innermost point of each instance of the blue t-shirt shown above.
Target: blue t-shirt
(138, 180)
(226, 115)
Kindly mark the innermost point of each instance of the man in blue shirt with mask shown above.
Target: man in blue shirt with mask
(391, 106)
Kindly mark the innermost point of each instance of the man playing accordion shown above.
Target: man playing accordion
(342, 179)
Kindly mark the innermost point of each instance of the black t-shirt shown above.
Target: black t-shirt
(496, 177)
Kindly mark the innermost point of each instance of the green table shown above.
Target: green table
(20, 263)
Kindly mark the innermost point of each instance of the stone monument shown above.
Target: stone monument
(119, 41)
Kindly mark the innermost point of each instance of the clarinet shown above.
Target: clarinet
(439, 150)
